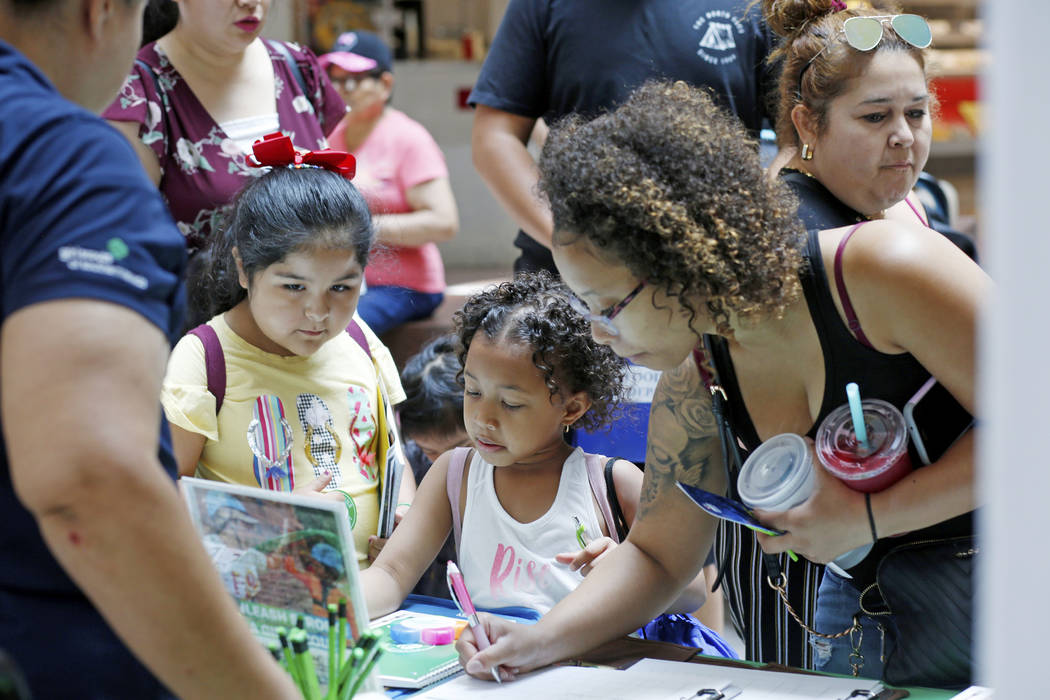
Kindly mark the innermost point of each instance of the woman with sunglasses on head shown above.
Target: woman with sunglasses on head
(855, 112)
(666, 228)
(199, 96)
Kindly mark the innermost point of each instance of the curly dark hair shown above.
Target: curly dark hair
(534, 311)
(670, 185)
(816, 63)
(433, 393)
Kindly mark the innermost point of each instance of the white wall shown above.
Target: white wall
(1014, 605)
(426, 91)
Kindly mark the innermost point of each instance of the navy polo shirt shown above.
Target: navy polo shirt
(78, 219)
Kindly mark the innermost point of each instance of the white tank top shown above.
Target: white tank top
(506, 562)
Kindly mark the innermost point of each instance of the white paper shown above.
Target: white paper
(975, 692)
(570, 683)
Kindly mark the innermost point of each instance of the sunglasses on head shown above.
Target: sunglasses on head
(865, 33)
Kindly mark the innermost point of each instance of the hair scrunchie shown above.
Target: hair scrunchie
(838, 6)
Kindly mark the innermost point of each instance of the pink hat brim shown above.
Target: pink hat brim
(350, 62)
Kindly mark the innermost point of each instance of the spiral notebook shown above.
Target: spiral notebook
(415, 665)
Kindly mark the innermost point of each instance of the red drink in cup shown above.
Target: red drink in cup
(874, 467)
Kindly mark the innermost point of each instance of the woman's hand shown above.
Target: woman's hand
(585, 559)
(514, 648)
(832, 522)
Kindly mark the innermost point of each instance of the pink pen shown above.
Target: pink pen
(458, 588)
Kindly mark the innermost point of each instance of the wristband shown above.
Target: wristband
(871, 518)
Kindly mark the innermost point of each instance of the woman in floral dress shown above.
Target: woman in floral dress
(200, 95)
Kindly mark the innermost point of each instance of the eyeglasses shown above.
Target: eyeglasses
(603, 319)
(865, 33)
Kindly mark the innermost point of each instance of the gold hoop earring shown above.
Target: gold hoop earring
(567, 426)
(807, 152)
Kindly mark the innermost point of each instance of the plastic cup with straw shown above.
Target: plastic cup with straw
(856, 411)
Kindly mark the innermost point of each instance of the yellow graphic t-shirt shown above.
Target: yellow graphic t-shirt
(286, 420)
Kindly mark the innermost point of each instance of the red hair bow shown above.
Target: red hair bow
(277, 149)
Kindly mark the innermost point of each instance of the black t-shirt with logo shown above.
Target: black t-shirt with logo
(551, 58)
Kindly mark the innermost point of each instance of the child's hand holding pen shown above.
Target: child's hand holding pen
(591, 551)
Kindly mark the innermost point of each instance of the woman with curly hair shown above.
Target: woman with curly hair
(530, 513)
(666, 227)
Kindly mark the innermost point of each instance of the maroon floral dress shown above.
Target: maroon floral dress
(201, 167)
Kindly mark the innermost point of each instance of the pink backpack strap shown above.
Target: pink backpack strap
(454, 486)
(596, 478)
(840, 284)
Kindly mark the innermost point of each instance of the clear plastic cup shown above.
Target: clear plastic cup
(885, 460)
(778, 475)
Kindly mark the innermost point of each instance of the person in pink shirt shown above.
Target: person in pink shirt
(402, 173)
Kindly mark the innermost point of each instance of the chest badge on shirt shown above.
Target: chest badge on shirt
(718, 30)
(323, 447)
(270, 439)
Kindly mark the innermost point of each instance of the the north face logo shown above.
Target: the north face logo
(718, 37)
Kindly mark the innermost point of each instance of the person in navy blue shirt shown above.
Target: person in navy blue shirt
(105, 589)
(551, 58)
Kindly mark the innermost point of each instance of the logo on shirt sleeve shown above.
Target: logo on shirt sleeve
(102, 262)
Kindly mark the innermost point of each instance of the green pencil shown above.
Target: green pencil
(351, 690)
(310, 688)
(333, 660)
(341, 640)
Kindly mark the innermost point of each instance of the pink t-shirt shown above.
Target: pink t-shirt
(398, 155)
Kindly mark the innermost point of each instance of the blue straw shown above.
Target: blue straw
(857, 413)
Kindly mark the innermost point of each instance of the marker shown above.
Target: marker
(458, 588)
(581, 532)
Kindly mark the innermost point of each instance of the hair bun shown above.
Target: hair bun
(788, 17)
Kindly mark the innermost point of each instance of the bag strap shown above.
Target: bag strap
(614, 502)
(840, 284)
(355, 331)
(215, 359)
(602, 494)
(454, 486)
(214, 362)
(293, 65)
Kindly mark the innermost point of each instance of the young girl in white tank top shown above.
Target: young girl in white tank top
(531, 371)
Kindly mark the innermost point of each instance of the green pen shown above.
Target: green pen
(333, 660)
(369, 663)
(581, 536)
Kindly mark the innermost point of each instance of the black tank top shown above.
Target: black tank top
(893, 378)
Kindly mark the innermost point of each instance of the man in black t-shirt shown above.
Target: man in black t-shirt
(550, 59)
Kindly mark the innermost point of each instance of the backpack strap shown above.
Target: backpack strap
(840, 284)
(614, 501)
(602, 492)
(293, 65)
(354, 329)
(214, 362)
(454, 486)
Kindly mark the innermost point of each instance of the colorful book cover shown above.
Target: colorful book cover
(416, 665)
(280, 556)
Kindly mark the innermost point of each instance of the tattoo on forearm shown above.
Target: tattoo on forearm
(683, 436)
